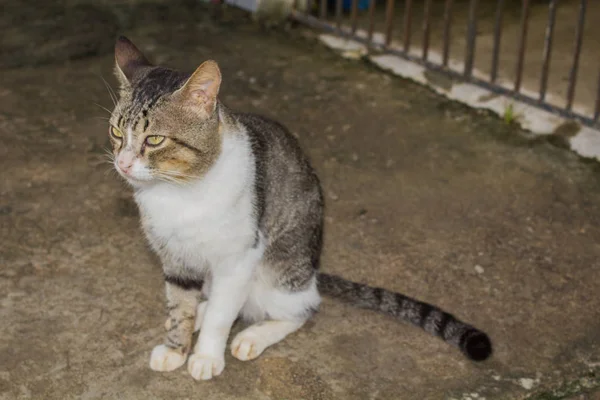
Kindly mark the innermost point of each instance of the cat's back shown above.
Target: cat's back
(274, 145)
(287, 188)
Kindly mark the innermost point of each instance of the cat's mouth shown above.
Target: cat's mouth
(132, 177)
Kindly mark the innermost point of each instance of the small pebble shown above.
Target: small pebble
(479, 269)
(527, 383)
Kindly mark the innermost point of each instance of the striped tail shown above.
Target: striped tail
(475, 344)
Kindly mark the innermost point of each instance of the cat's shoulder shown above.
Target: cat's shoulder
(257, 123)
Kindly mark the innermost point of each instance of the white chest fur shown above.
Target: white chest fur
(199, 224)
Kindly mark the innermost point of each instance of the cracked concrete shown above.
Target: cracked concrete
(425, 196)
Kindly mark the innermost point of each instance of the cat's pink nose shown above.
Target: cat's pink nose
(125, 162)
(124, 166)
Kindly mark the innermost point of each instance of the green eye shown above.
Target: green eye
(116, 133)
(154, 140)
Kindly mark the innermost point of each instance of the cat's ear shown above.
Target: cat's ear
(128, 61)
(202, 88)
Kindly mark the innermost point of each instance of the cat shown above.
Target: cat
(234, 210)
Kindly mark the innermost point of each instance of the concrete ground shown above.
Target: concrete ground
(425, 197)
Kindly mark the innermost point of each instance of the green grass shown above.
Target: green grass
(509, 114)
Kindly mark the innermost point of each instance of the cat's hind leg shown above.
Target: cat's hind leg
(277, 312)
(252, 341)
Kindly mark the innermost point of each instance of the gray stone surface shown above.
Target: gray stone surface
(424, 197)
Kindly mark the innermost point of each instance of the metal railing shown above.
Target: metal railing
(344, 21)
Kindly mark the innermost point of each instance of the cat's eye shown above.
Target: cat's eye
(154, 140)
(116, 133)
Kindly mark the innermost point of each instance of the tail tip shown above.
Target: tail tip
(478, 346)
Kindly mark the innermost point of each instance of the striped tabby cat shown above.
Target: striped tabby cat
(234, 210)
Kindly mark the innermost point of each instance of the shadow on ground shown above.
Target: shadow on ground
(424, 197)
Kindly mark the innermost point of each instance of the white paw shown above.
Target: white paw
(199, 315)
(164, 358)
(203, 367)
(247, 346)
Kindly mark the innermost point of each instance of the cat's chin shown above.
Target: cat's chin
(136, 182)
(141, 183)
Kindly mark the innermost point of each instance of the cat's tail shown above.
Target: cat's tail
(471, 341)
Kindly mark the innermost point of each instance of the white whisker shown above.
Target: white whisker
(176, 174)
(110, 171)
(111, 92)
(104, 108)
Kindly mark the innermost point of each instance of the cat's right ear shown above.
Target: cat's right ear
(129, 60)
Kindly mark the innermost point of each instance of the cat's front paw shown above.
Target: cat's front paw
(164, 358)
(203, 367)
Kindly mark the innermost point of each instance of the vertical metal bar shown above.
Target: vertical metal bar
(371, 19)
(426, 28)
(471, 34)
(597, 108)
(447, 23)
(497, 38)
(338, 14)
(389, 21)
(575, 67)
(407, 22)
(354, 16)
(324, 9)
(547, 48)
(522, 44)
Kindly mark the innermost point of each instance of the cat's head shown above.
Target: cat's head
(165, 126)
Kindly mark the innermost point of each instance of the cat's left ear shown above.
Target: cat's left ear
(129, 60)
(201, 89)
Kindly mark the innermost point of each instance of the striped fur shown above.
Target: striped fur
(471, 341)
